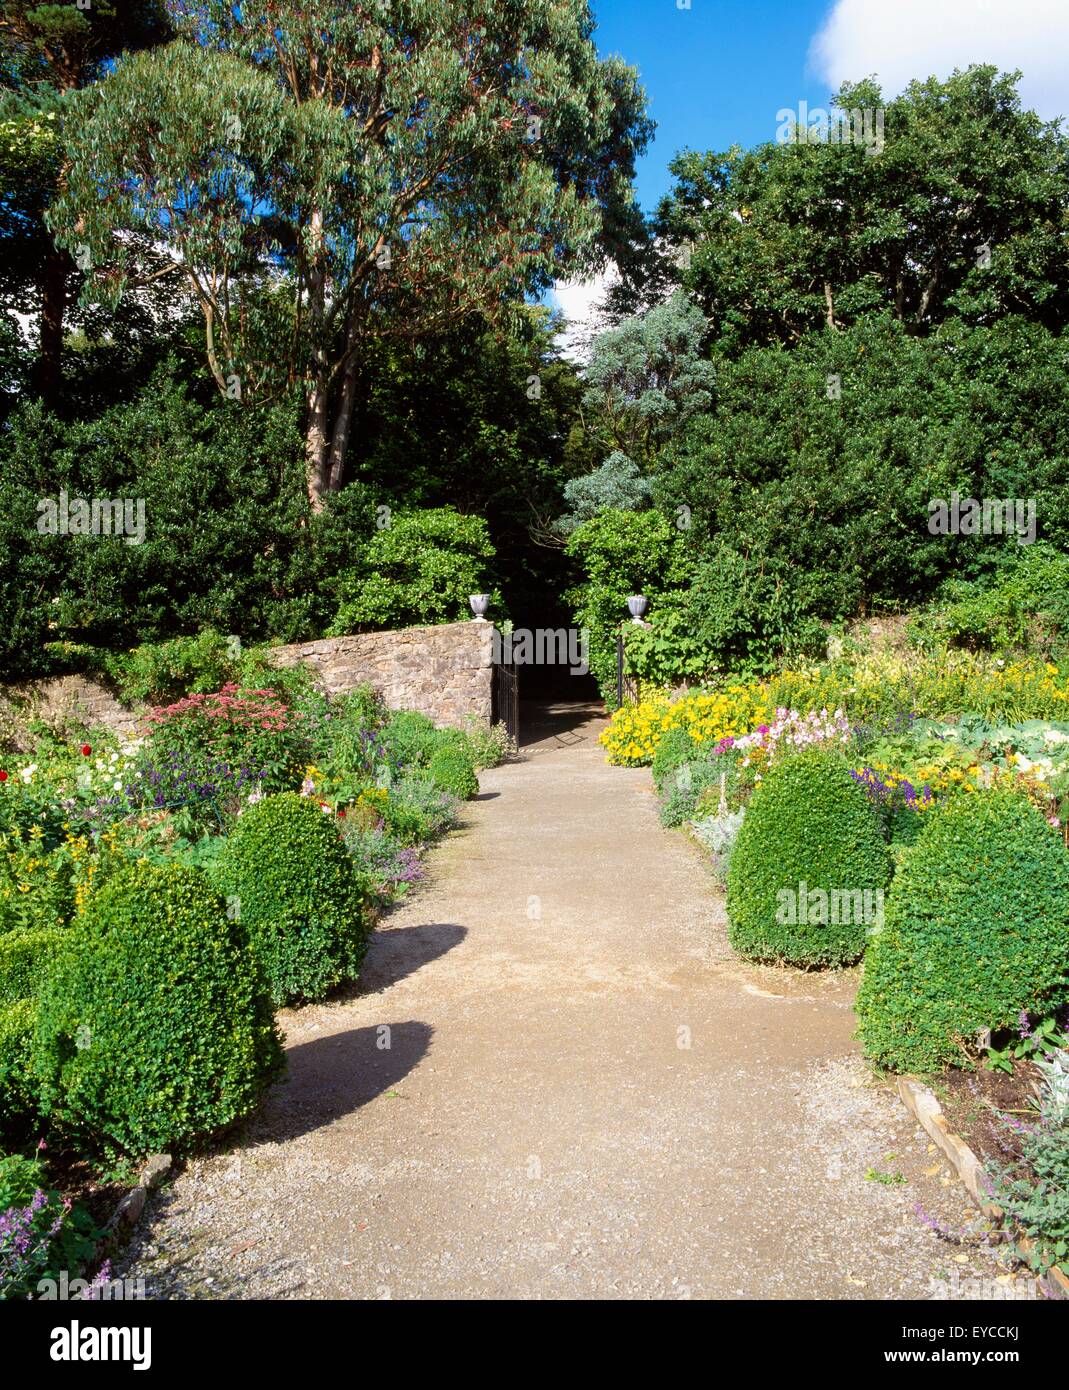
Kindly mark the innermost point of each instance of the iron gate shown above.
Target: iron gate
(626, 683)
(505, 698)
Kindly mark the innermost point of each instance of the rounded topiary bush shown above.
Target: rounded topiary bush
(286, 872)
(976, 930)
(452, 768)
(809, 866)
(154, 1028)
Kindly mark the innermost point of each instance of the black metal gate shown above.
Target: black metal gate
(626, 683)
(505, 698)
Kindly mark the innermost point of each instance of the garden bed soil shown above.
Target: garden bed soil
(984, 1107)
(82, 1185)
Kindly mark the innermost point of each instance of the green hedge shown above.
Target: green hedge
(24, 961)
(809, 827)
(288, 873)
(977, 930)
(154, 1027)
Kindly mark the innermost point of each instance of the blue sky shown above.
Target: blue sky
(716, 74)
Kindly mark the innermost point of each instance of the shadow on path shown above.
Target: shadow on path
(399, 951)
(563, 721)
(331, 1077)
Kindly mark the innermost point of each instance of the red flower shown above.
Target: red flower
(86, 750)
(3, 775)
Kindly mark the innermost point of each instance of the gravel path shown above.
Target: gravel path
(555, 1080)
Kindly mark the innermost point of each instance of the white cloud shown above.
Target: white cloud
(902, 39)
(581, 303)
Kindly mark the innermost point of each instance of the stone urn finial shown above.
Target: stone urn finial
(479, 604)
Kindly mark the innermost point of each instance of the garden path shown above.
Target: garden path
(586, 1095)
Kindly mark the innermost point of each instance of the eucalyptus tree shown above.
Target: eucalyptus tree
(334, 172)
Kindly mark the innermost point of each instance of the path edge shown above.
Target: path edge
(926, 1110)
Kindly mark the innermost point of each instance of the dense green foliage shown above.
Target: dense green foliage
(808, 830)
(236, 142)
(1023, 605)
(24, 962)
(18, 1086)
(154, 1027)
(976, 929)
(419, 568)
(411, 737)
(676, 748)
(286, 870)
(452, 769)
(789, 238)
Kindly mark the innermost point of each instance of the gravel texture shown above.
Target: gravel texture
(585, 1095)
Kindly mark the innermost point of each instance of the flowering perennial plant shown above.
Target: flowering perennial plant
(869, 691)
(26, 1237)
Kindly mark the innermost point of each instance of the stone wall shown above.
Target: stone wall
(72, 700)
(444, 672)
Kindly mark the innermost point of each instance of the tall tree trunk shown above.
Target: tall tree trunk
(317, 441)
(317, 431)
(343, 417)
(57, 267)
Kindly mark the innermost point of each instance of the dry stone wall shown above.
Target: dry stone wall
(444, 672)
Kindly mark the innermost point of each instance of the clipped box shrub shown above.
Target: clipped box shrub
(976, 930)
(809, 866)
(24, 961)
(299, 896)
(452, 768)
(154, 1026)
(18, 1087)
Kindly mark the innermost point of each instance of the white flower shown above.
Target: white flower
(117, 784)
(27, 773)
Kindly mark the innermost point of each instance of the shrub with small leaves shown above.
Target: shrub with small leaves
(451, 767)
(18, 1086)
(24, 961)
(300, 898)
(676, 749)
(154, 1027)
(808, 827)
(976, 930)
